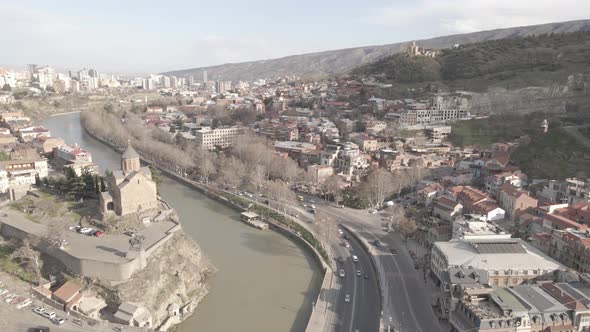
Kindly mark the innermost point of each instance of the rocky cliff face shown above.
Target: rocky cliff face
(175, 273)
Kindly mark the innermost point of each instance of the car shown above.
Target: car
(77, 321)
(39, 310)
(39, 329)
(346, 236)
(129, 233)
(340, 260)
(58, 320)
(342, 274)
(355, 258)
(359, 273)
(393, 251)
(346, 244)
(48, 314)
(3, 291)
(312, 200)
(85, 230)
(24, 304)
(366, 276)
(340, 231)
(312, 207)
(98, 233)
(9, 298)
(75, 228)
(347, 298)
(377, 243)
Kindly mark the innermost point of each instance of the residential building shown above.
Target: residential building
(475, 227)
(320, 173)
(133, 315)
(428, 193)
(446, 209)
(223, 137)
(30, 133)
(514, 200)
(68, 295)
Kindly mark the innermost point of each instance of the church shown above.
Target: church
(131, 189)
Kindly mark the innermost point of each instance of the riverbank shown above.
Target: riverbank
(284, 226)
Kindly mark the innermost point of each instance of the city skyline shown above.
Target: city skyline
(142, 37)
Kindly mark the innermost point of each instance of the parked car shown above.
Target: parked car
(129, 233)
(98, 233)
(340, 232)
(346, 236)
(346, 244)
(85, 230)
(75, 228)
(38, 310)
(24, 304)
(393, 251)
(377, 243)
(58, 321)
(38, 329)
(48, 314)
(9, 298)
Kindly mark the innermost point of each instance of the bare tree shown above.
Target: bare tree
(332, 185)
(378, 186)
(28, 259)
(407, 227)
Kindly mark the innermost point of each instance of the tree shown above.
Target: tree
(407, 227)
(28, 259)
(378, 186)
(332, 186)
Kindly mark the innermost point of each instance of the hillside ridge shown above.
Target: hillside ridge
(343, 60)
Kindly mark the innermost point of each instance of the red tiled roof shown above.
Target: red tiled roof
(564, 222)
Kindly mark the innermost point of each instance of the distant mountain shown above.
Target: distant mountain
(342, 61)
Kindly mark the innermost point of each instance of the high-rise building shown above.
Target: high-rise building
(165, 81)
(191, 80)
(205, 77)
(173, 82)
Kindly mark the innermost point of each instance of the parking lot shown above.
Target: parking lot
(15, 317)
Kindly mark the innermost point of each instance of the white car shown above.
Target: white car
(86, 230)
(346, 244)
(48, 314)
(340, 232)
(75, 228)
(24, 304)
(58, 320)
(355, 258)
(9, 298)
(347, 298)
(3, 291)
(342, 274)
(39, 310)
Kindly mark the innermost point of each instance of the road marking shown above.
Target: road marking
(353, 296)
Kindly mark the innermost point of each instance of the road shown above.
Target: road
(406, 299)
(362, 312)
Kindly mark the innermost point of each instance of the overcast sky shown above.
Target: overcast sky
(129, 36)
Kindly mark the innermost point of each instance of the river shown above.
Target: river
(265, 282)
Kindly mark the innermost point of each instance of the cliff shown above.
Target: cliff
(175, 273)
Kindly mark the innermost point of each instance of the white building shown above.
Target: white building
(507, 261)
(224, 137)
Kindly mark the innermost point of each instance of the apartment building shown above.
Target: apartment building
(223, 137)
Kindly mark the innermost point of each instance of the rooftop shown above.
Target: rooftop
(496, 255)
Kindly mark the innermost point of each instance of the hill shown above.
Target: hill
(514, 62)
(342, 61)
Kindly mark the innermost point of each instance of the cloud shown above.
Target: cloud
(460, 16)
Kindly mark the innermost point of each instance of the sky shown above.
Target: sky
(129, 36)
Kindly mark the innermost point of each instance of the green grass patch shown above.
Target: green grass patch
(555, 155)
(9, 266)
